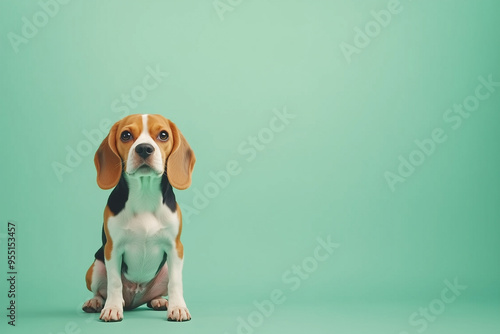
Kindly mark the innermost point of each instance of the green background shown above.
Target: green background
(323, 175)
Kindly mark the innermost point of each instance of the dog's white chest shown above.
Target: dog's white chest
(143, 227)
(142, 239)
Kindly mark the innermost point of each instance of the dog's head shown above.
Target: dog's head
(144, 145)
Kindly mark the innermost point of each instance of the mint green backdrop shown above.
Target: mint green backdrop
(386, 143)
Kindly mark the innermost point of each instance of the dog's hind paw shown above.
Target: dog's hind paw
(159, 304)
(93, 305)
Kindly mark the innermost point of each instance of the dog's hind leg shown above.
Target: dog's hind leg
(157, 289)
(96, 279)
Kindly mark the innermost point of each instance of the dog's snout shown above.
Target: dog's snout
(144, 150)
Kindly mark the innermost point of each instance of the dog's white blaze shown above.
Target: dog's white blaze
(156, 160)
(144, 123)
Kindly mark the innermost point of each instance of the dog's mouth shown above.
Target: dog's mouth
(144, 169)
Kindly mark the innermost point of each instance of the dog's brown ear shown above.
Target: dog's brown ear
(180, 163)
(107, 161)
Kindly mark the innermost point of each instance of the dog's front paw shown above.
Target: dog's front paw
(112, 313)
(178, 313)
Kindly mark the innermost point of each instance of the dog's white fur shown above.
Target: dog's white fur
(141, 233)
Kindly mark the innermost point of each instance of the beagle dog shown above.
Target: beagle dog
(141, 257)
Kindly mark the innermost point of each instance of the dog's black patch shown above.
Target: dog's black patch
(99, 255)
(116, 203)
(118, 197)
(124, 266)
(168, 194)
(162, 263)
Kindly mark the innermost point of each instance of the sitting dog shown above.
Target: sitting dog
(141, 257)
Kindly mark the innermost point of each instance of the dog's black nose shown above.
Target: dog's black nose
(144, 150)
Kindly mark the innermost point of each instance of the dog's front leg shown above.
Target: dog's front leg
(177, 310)
(113, 308)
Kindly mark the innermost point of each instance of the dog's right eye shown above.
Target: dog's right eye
(125, 136)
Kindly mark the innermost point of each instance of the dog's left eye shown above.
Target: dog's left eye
(163, 136)
(125, 136)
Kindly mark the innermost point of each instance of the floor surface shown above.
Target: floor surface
(393, 318)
